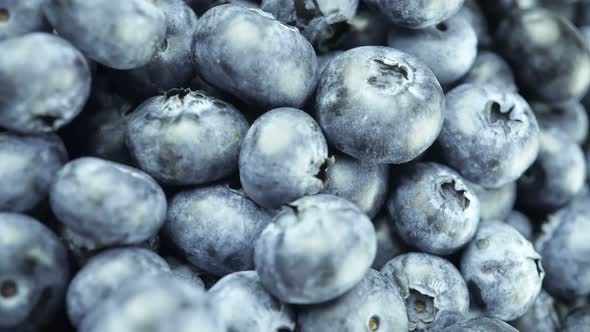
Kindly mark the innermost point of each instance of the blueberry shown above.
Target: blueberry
(448, 48)
(315, 250)
(431, 287)
(215, 228)
(28, 166)
(472, 12)
(551, 59)
(374, 304)
(577, 320)
(565, 250)
(569, 117)
(185, 271)
(556, 177)
(19, 17)
(481, 324)
(117, 34)
(502, 270)
(495, 204)
(104, 274)
(172, 65)
(41, 94)
(107, 203)
(362, 183)
(389, 245)
(541, 317)
(433, 209)
(490, 135)
(521, 223)
(33, 273)
(417, 14)
(186, 137)
(256, 58)
(154, 303)
(322, 22)
(282, 157)
(246, 306)
(378, 104)
(491, 68)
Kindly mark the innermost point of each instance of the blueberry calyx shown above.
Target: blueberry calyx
(449, 191)
(442, 26)
(321, 173)
(4, 15)
(8, 289)
(497, 117)
(373, 323)
(181, 93)
(421, 308)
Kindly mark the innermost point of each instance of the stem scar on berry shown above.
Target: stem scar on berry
(8, 289)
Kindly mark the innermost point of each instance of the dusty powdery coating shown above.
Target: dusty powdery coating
(431, 287)
(40, 94)
(566, 250)
(490, 68)
(490, 135)
(577, 320)
(378, 104)
(33, 273)
(185, 137)
(315, 250)
(433, 209)
(260, 60)
(494, 203)
(541, 317)
(557, 176)
(104, 274)
(362, 183)
(153, 303)
(19, 17)
(244, 305)
(389, 245)
(569, 117)
(29, 164)
(417, 14)
(481, 324)
(535, 42)
(107, 203)
(374, 304)
(448, 48)
(502, 270)
(118, 34)
(521, 223)
(282, 157)
(215, 228)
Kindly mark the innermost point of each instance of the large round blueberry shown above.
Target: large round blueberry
(215, 228)
(374, 304)
(19, 17)
(417, 14)
(362, 183)
(551, 59)
(502, 270)
(323, 22)
(27, 168)
(566, 250)
(244, 305)
(490, 68)
(379, 104)
(260, 60)
(448, 48)
(557, 176)
(41, 93)
(432, 288)
(33, 273)
(282, 157)
(490, 135)
(315, 250)
(577, 320)
(472, 12)
(569, 117)
(154, 303)
(495, 203)
(186, 137)
(521, 223)
(481, 324)
(104, 274)
(118, 34)
(541, 317)
(389, 245)
(433, 209)
(107, 203)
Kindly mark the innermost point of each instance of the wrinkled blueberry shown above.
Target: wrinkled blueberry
(502, 270)
(256, 58)
(379, 104)
(495, 204)
(490, 68)
(215, 228)
(374, 304)
(186, 137)
(417, 14)
(389, 245)
(490, 135)
(41, 93)
(315, 250)
(569, 117)
(541, 317)
(19, 17)
(107, 203)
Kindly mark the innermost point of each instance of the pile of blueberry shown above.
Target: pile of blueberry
(294, 165)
